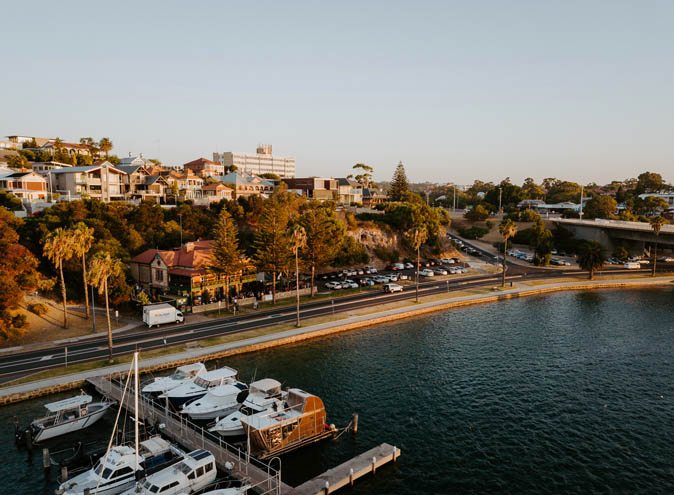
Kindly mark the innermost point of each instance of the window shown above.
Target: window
(200, 471)
(159, 275)
(209, 467)
(192, 475)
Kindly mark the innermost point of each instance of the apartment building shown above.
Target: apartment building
(318, 188)
(262, 162)
(102, 181)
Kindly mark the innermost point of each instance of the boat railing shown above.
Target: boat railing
(183, 429)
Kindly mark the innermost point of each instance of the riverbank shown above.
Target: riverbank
(352, 321)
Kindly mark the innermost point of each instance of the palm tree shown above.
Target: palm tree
(101, 268)
(590, 257)
(58, 143)
(507, 229)
(83, 238)
(298, 241)
(418, 238)
(58, 247)
(656, 225)
(105, 145)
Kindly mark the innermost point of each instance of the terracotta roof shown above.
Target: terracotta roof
(192, 255)
(201, 161)
(187, 273)
(214, 187)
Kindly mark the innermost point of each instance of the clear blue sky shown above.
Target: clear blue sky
(460, 90)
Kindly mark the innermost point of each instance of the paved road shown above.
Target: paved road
(21, 363)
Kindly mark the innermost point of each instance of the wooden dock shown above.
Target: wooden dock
(263, 478)
(346, 473)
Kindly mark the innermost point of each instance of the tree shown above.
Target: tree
(590, 257)
(417, 239)
(323, 234)
(105, 145)
(271, 242)
(399, 188)
(477, 214)
(103, 267)
(16, 161)
(58, 247)
(600, 207)
(507, 229)
(649, 182)
(83, 238)
(656, 225)
(365, 177)
(531, 190)
(90, 144)
(298, 240)
(226, 255)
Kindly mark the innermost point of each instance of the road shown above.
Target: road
(20, 363)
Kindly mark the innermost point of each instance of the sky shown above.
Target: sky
(456, 90)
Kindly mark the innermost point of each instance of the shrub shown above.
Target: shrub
(473, 232)
(350, 253)
(387, 255)
(39, 309)
(477, 214)
(351, 221)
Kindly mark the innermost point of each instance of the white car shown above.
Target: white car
(349, 284)
(333, 285)
(426, 272)
(402, 276)
(440, 271)
(399, 266)
(391, 288)
(408, 266)
(666, 259)
(632, 265)
(369, 269)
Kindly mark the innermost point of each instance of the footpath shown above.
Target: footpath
(15, 393)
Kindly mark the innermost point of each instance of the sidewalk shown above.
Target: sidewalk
(50, 385)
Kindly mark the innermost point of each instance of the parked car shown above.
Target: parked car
(393, 277)
(360, 271)
(403, 277)
(448, 261)
(666, 259)
(440, 271)
(391, 288)
(399, 266)
(427, 272)
(333, 285)
(366, 282)
(369, 269)
(632, 265)
(644, 262)
(409, 266)
(349, 284)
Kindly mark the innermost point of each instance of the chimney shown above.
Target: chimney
(189, 247)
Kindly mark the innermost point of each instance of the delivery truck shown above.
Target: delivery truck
(158, 314)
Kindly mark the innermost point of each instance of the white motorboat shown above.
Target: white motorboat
(218, 401)
(196, 471)
(68, 415)
(116, 471)
(203, 383)
(265, 395)
(182, 374)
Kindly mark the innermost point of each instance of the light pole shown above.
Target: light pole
(500, 191)
(93, 310)
(580, 214)
(180, 216)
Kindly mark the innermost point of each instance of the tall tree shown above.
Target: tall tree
(323, 235)
(105, 145)
(226, 255)
(365, 177)
(417, 239)
(656, 225)
(298, 240)
(399, 185)
(590, 257)
(58, 247)
(507, 229)
(101, 268)
(90, 144)
(83, 238)
(272, 247)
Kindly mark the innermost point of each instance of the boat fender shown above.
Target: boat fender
(83, 411)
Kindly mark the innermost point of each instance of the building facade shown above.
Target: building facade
(318, 188)
(103, 182)
(28, 186)
(205, 168)
(262, 162)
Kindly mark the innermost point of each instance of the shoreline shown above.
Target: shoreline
(29, 390)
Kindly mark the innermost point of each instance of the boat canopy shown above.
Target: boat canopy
(218, 374)
(71, 403)
(191, 369)
(267, 386)
(154, 446)
(224, 390)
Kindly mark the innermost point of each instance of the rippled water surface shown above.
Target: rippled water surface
(567, 393)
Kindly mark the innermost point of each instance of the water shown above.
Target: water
(564, 393)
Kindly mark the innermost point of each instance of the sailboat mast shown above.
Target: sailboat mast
(135, 402)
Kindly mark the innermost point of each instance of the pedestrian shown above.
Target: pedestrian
(255, 305)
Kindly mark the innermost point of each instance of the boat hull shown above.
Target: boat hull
(179, 401)
(41, 434)
(212, 414)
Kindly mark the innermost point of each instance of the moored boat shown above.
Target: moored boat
(68, 415)
(218, 401)
(182, 374)
(196, 389)
(265, 395)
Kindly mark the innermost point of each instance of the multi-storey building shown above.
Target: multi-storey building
(244, 184)
(102, 181)
(263, 162)
(205, 168)
(350, 191)
(318, 188)
(28, 186)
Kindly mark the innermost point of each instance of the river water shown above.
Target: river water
(570, 392)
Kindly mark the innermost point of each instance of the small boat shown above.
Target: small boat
(196, 389)
(68, 415)
(265, 395)
(195, 471)
(277, 432)
(182, 374)
(218, 401)
(116, 472)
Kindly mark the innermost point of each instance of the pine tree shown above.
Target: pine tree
(399, 185)
(226, 255)
(323, 232)
(273, 250)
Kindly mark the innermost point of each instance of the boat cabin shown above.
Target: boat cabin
(194, 472)
(216, 377)
(67, 409)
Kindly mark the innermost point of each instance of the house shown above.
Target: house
(18, 142)
(350, 191)
(205, 168)
(318, 188)
(102, 181)
(28, 186)
(373, 197)
(216, 192)
(43, 168)
(245, 184)
(187, 185)
(184, 272)
(71, 148)
(137, 161)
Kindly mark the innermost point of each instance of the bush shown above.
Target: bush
(351, 221)
(39, 309)
(351, 253)
(473, 232)
(477, 214)
(387, 255)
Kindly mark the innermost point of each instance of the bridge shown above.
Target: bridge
(635, 236)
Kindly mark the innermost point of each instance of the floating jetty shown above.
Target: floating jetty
(262, 476)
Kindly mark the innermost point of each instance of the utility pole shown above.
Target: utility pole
(500, 190)
(581, 203)
(454, 202)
